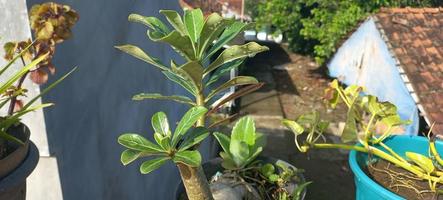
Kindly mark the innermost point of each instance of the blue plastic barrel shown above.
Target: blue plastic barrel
(368, 189)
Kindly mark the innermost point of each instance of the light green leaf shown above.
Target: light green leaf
(223, 140)
(159, 122)
(244, 130)
(422, 161)
(140, 54)
(175, 20)
(152, 22)
(194, 137)
(136, 142)
(223, 69)
(190, 158)
(236, 81)
(236, 52)
(153, 164)
(163, 141)
(194, 23)
(4, 68)
(189, 86)
(214, 25)
(176, 98)
(253, 156)
(234, 29)
(187, 121)
(296, 128)
(239, 151)
(10, 120)
(298, 192)
(181, 44)
(129, 156)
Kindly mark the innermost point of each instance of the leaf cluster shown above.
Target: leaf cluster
(176, 146)
(243, 145)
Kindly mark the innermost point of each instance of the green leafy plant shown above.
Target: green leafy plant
(279, 175)
(243, 146)
(369, 122)
(196, 38)
(317, 27)
(51, 23)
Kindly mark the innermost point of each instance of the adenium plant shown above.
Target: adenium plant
(197, 38)
(369, 122)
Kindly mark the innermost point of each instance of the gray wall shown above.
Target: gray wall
(94, 105)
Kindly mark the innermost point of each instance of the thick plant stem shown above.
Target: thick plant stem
(195, 182)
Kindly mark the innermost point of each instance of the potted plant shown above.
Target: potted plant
(196, 38)
(386, 166)
(18, 155)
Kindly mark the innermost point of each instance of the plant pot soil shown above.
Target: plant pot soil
(17, 165)
(400, 181)
(211, 168)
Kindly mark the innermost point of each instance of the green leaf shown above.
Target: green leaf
(298, 192)
(422, 161)
(244, 130)
(175, 20)
(140, 54)
(228, 34)
(239, 151)
(267, 169)
(223, 140)
(10, 81)
(194, 23)
(296, 128)
(223, 69)
(180, 43)
(195, 71)
(163, 141)
(4, 68)
(236, 52)
(159, 122)
(9, 137)
(190, 87)
(227, 162)
(190, 158)
(136, 142)
(273, 178)
(187, 121)
(153, 164)
(253, 155)
(176, 98)
(241, 92)
(236, 81)
(129, 156)
(152, 22)
(350, 131)
(214, 25)
(10, 120)
(194, 137)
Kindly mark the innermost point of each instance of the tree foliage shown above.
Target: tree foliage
(317, 26)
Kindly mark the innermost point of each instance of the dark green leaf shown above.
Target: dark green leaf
(227, 162)
(190, 87)
(176, 98)
(190, 158)
(214, 25)
(180, 43)
(194, 137)
(223, 69)
(228, 34)
(152, 22)
(195, 71)
(223, 140)
(187, 121)
(153, 164)
(129, 156)
(136, 142)
(267, 169)
(140, 54)
(235, 52)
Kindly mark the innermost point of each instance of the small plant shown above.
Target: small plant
(196, 38)
(51, 23)
(279, 176)
(243, 146)
(369, 122)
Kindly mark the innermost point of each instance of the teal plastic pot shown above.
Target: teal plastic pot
(368, 189)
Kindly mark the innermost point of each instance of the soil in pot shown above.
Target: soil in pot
(400, 181)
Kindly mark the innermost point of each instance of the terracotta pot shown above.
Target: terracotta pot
(17, 165)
